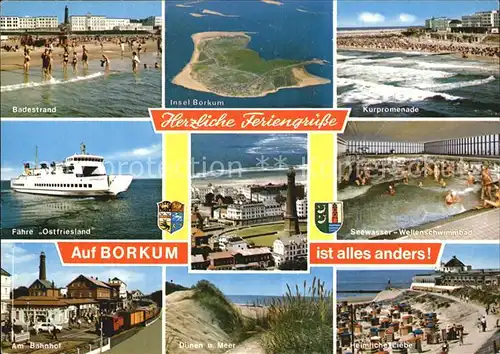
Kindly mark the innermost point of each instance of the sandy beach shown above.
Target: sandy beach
(14, 60)
(185, 79)
(450, 311)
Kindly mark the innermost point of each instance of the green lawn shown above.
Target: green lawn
(266, 240)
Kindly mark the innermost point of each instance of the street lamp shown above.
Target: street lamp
(100, 350)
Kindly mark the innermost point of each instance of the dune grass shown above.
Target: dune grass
(301, 321)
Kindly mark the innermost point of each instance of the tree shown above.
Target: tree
(228, 200)
(209, 198)
(294, 264)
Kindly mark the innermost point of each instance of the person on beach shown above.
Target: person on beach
(51, 62)
(105, 63)
(74, 62)
(27, 59)
(85, 57)
(65, 59)
(139, 48)
(45, 64)
(135, 62)
(445, 347)
(391, 190)
(122, 46)
(157, 66)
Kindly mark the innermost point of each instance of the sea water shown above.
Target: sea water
(247, 156)
(87, 92)
(437, 85)
(132, 215)
(277, 32)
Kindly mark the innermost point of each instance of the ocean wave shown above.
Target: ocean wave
(50, 82)
(385, 73)
(243, 170)
(280, 144)
(370, 93)
(352, 192)
(352, 57)
(436, 65)
(456, 85)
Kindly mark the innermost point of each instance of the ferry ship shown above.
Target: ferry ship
(80, 175)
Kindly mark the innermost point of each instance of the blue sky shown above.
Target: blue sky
(360, 13)
(477, 255)
(27, 257)
(127, 147)
(264, 284)
(114, 9)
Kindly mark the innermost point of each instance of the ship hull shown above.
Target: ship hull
(102, 186)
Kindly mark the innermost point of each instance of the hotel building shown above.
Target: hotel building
(29, 23)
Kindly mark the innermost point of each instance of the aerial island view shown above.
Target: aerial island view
(438, 60)
(249, 50)
(249, 202)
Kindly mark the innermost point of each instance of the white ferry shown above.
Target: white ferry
(80, 175)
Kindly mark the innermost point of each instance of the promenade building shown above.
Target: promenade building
(49, 23)
(455, 274)
(6, 288)
(289, 248)
(481, 19)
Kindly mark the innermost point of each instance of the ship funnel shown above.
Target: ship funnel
(83, 149)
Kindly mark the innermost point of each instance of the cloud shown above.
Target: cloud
(407, 18)
(7, 173)
(15, 254)
(152, 151)
(371, 17)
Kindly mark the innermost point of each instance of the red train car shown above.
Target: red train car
(112, 324)
(132, 318)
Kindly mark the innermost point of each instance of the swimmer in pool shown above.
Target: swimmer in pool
(27, 59)
(391, 190)
(486, 182)
(496, 202)
(157, 66)
(451, 198)
(470, 179)
(436, 173)
(442, 183)
(405, 177)
(420, 184)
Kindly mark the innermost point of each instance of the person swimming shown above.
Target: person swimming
(442, 183)
(420, 184)
(470, 179)
(135, 62)
(157, 66)
(494, 203)
(451, 198)
(391, 190)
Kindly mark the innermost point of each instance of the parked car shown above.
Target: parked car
(46, 327)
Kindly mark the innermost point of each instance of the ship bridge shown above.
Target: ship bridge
(85, 158)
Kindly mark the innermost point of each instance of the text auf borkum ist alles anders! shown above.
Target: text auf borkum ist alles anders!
(250, 120)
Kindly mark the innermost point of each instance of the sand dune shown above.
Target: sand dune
(272, 2)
